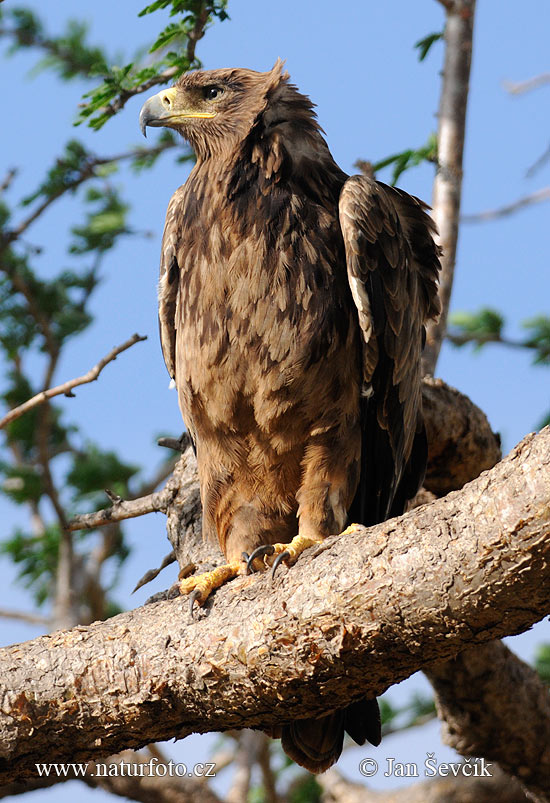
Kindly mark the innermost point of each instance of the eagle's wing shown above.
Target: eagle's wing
(392, 264)
(169, 284)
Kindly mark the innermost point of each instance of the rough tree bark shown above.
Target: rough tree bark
(354, 616)
(499, 787)
(490, 721)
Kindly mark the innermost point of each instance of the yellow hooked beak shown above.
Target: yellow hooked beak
(160, 110)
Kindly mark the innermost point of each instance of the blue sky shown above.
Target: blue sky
(358, 64)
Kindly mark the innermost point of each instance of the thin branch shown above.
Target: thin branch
(509, 209)
(197, 33)
(86, 172)
(157, 502)
(7, 180)
(519, 87)
(447, 190)
(538, 163)
(23, 616)
(68, 386)
(463, 339)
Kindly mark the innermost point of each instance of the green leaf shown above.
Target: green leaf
(36, 557)
(409, 158)
(94, 470)
(542, 662)
(484, 326)
(423, 45)
(539, 338)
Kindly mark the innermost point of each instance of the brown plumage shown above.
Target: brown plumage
(292, 306)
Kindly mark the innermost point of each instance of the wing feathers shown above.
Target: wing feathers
(392, 264)
(168, 287)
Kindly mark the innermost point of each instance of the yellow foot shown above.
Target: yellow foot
(351, 529)
(201, 585)
(275, 554)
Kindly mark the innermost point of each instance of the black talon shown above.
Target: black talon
(278, 560)
(195, 595)
(259, 552)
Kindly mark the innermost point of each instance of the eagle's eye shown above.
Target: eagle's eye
(212, 92)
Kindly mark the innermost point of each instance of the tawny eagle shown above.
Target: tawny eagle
(292, 306)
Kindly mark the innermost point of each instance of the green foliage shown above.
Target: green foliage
(409, 158)
(104, 224)
(68, 54)
(542, 662)
(424, 45)
(484, 326)
(305, 790)
(121, 83)
(44, 469)
(539, 338)
(75, 165)
(36, 558)
(191, 7)
(94, 470)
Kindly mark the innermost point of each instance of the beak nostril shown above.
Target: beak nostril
(166, 101)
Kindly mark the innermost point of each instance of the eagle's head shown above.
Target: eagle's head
(214, 110)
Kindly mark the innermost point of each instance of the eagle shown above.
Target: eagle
(292, 305)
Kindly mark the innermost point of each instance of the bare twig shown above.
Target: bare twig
(177, 444)
(23, 616)
(509, 209)
(268, 776)
(68, 386)
(153, 503)
(538, 163)
(7, 180)
(459, 28)
(519, 87)
(152, 573)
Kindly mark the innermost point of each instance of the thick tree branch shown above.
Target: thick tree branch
(447, 190)
(357, 614)
(67, 387)
(461, 443)
(490, 722)
(499, 787)
(145, 787)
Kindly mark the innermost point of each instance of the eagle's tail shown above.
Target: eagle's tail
(316, 744)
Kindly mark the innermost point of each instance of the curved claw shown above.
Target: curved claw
(195, 595)
(259, 552)
(278, 560)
